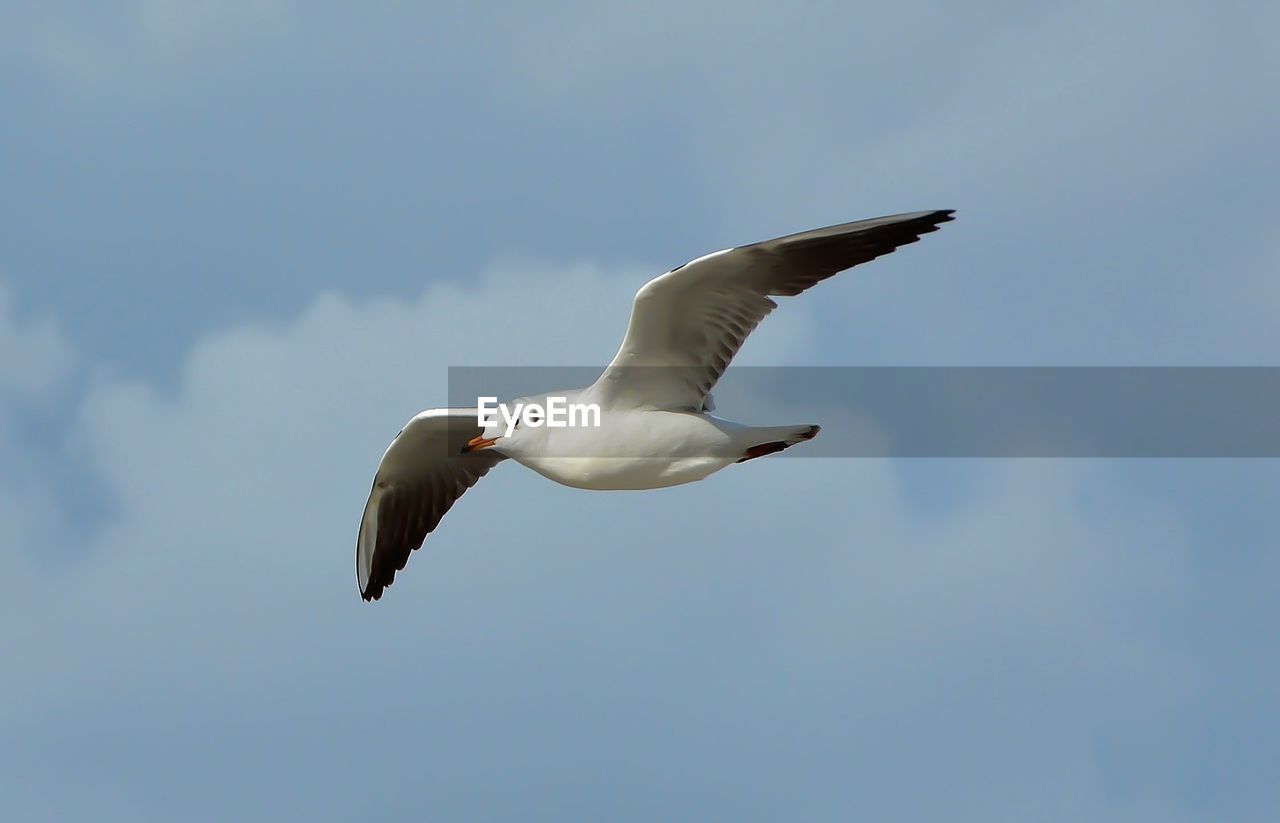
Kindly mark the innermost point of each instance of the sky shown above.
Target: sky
(242, 243)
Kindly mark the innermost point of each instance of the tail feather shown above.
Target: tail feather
(793, 436)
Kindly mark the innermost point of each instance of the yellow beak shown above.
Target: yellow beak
(478, 442)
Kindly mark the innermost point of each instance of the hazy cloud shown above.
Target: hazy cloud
(35, 356)
(136, 46)
(789, 628)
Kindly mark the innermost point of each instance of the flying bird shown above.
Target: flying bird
(653, 426)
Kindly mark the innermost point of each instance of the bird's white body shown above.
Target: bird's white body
(635, 449)
(654, 429)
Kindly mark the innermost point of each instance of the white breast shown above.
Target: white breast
(637, 450)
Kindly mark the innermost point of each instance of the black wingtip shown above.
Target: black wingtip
(931, 220)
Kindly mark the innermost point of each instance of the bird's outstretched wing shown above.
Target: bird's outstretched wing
(686, 325)
(421, 474)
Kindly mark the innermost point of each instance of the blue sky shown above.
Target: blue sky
(240, 244)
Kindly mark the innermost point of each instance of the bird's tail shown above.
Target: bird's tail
(776, 438)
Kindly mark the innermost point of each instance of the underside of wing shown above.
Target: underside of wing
(687, 325)
(422, 474)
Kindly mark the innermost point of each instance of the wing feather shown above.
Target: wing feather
(688, 324)
(422, 474)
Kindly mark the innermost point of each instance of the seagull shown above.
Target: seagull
(653, 401)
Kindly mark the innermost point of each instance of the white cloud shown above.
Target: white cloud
(779, 628)
(36, 361)
(249, 474)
